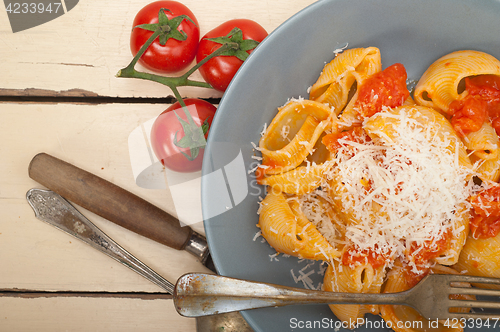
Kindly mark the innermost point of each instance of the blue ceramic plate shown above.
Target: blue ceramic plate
(414, 33)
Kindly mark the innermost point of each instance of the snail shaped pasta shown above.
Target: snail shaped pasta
(444, 83)
(383, 196)
(351, 67)
(439, 85)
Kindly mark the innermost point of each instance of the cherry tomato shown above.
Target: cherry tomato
(482, 101)
(469, 114)
(356, 134)
(168, 135)
(386, 88)
(486, 86)
(422, 254)
(485, 213)
(220, 70)
(174, 55)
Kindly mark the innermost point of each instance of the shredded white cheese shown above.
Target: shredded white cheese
(416, 184)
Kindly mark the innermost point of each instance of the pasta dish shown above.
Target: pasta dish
(384, 185)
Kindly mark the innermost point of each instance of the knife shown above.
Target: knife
(117, 205)
(57, 211)
(134, 213)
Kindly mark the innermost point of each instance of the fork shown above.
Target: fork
(200, 294)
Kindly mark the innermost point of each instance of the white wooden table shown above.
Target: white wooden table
(43, 69)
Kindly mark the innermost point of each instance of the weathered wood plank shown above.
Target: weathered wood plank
(91, 314)
(86, 47)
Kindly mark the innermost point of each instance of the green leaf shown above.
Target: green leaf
(242, 55)
(220, 40)
(193, 139)
(248, 44)
(183, 142)
(241, 45)
(178, 35)
(236, 35)
(162, 17)
(183, 17)
(205, 126)
(194, 153)
(190, 158)
(169, 27)
(163, 39)
(149, 27)
(176, 21)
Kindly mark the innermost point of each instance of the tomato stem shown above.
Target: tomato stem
(196, 137)
(143, 49)
(171, 82)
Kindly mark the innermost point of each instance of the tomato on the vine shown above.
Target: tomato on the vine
(176, 46)
(220, 70)
(178, 140)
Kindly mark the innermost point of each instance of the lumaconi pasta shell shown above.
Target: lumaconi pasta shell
(341, 202)
(439, 84)
(404, 318)
(488, 170)
(360, 279)
(484, 143)
(479, 257)
(306, 121)
(450, 255)
(289, 232)
(338, 76)
(298, 181)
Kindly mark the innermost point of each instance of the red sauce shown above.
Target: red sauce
(352, 256)
(259, 175)
(485, 213)
(486, 86)
(422, 257)
(469, 114)
(429, 249)
(272, 164)
(412, 278)
(355, 134)
(385, 88)
(481, 103)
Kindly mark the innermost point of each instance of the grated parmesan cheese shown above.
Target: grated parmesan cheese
(285, 130)
(416, 184)
(255, 146)
(263, 132)
(340, 49)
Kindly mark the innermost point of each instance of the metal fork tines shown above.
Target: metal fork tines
(460, 285)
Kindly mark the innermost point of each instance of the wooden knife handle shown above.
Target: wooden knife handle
(108, 201)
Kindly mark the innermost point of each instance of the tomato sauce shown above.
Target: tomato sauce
(421, 255)
(428, 252)
(385, 88)
(485, 213)
(352, 257)
(481, 103)
(469, 114)
(355, 134)
(272, 164)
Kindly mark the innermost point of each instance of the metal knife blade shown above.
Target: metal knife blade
(117, 205)
(55, 210)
